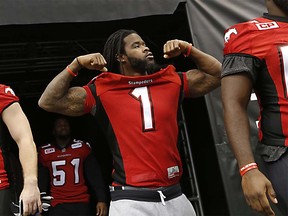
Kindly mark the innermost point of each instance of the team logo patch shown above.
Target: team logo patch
(9, 90)
(267, 25)
(228, 34)
(173, 171)
(76, 145)
(49, 150)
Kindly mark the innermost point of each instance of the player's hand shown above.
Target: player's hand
(17, 206)
(256, 188)
(101, 209)
(173, 48)
(94, 61)
(30, 197)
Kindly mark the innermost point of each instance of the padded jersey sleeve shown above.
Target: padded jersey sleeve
(7, 97)
(238, 38)
(185, 85)
(90, 102)
(239, 51)
(234, 64)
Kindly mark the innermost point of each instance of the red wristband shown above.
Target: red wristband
(188, 51)
(247, 168)
(71, 72)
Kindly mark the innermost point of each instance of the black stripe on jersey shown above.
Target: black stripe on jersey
(270, 119)
(104, 123)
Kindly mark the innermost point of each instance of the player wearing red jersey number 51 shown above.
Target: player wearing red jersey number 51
(256, 56)
(72, 168)
(136, 105)
(19, 128)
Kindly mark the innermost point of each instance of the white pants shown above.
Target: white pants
(179, 206)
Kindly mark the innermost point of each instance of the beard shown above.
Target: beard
(144, 66)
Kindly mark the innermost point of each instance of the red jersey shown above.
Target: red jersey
(139, 116)
(7, 97)
(66, 171)
(260, 47)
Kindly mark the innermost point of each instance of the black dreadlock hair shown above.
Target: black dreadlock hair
(283, 5)
(115, 46)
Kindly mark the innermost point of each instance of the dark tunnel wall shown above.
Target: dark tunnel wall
(31, 55)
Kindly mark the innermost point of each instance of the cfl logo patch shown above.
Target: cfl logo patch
(266, 26)
(173, 172)
(49, 150)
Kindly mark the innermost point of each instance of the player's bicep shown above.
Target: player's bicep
(72, 103)
(236, 90)
(200, 83)
(16, 122)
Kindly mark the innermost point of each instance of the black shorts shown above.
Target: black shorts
(73, 209)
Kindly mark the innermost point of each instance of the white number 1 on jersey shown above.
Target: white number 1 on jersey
(142, 95)
(284, 51)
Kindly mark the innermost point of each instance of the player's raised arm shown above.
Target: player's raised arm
(20, 131)
(203, 79)
(59, 97)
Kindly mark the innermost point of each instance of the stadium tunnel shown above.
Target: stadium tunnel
(38, 39)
